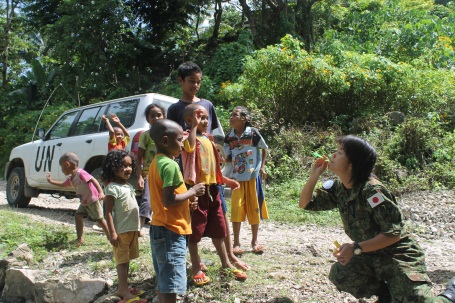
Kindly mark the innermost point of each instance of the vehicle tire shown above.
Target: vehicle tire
(15, 189)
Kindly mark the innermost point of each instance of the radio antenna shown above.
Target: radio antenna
(44, 107)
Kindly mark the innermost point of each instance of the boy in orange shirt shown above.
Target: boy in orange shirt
(170, 202)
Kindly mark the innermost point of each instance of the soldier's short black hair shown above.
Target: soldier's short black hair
(361, 155)
(187, 69)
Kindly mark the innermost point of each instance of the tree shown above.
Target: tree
(14, 39)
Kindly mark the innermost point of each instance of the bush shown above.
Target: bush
(285, 82)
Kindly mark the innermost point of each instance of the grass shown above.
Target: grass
(283, 206)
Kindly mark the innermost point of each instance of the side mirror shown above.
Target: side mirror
(40, 133)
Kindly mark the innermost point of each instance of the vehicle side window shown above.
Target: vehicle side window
(89, 121)
(62, 127)
(125, 110)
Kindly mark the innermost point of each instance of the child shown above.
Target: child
(201, 163)
(118, 136)
(122, 216)
(242, 146)
(170, 224)
(384, 260)
(144, 157)
(190, 77)
(87, 189)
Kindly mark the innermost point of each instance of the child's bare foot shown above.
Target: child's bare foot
(77, 242)
(237, 250)
(241, 265)
(258, 249)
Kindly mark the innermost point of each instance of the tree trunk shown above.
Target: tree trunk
(252, 22)
(306, 22)
(213, 41)
(10, 7)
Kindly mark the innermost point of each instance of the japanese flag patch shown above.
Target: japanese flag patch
(376, 199)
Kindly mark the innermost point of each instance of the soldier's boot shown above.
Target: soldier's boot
(449, 293)
(383, 294)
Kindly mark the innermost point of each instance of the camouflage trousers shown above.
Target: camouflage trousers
(404, 273)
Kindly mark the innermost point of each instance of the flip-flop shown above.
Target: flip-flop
(258, 249)
(238, 274)
(133, 291)
(203, 277)
(134, 300)
(237, 251)
(242, 265)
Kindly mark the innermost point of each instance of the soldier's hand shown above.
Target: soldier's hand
(344, 253)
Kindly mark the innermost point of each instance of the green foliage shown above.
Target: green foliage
(285, 82)
(405, 31)
(232, 56)
(292, 148)
(55, 240)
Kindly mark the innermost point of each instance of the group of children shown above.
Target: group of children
(178, 170)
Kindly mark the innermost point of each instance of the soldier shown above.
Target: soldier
(384, 260)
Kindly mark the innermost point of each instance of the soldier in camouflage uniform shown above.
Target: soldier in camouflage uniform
(384, 260)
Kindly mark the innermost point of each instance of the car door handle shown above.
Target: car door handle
(88, 141)
(59, 144)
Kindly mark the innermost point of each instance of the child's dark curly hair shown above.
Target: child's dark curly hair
(113, 161)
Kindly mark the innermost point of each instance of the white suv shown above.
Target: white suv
(80, 130)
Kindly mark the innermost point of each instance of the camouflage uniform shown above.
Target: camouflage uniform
(367, 210)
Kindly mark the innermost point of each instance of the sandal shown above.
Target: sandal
(133, 291)
(201, 279)
(238, 274)
(134, 300)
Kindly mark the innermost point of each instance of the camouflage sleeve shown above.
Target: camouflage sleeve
(385, 210)
(324, 198)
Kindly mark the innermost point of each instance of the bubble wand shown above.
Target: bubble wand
(317, 155)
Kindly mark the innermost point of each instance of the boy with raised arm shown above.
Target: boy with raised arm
(201, 163)
(118, 136)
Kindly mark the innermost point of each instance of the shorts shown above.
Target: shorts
(127, 247)
(93, 210)
(223, 200)
(245, 203)
(169, 259)
(145, 209)
(208, 219)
